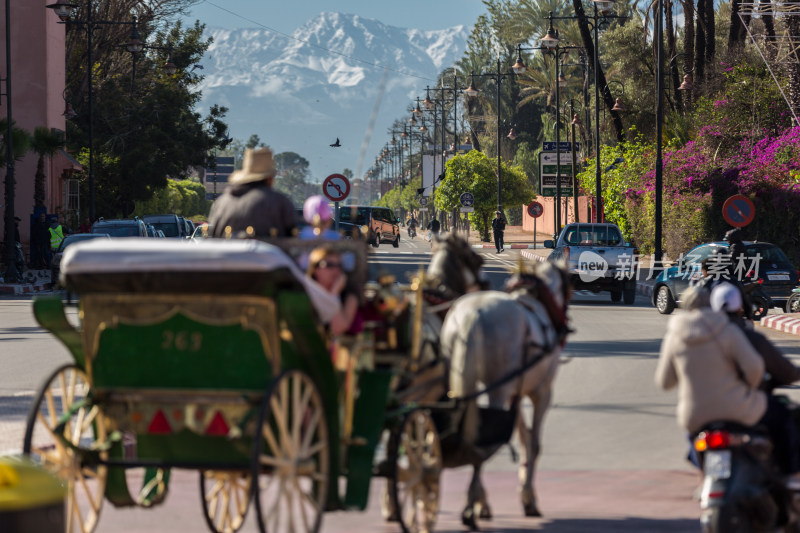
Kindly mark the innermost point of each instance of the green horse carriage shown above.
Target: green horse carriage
(212, 357)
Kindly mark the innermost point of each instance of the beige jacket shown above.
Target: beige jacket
(715, 367)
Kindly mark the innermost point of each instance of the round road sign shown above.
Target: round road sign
(738, 211)
(467, 200)
(336, 187)
(423, 201)
(535, 209)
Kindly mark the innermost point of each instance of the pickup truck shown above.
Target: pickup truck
(598, 259)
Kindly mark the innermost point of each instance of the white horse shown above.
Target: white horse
(487, 336)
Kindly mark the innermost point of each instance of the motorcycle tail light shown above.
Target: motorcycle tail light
(712, 440)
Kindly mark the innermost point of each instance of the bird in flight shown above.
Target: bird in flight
(336, 144)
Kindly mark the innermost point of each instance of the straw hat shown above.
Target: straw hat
(258, 165)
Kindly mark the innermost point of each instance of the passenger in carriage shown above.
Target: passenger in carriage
(251, 206)
(319, 216)
(325, 267)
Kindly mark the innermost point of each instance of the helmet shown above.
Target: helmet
(734, 235)
(725, 297)
(316, 210)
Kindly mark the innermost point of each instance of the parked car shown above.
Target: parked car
(169, 224)
(55, 264)
(773, 271)
(151, 231)
(189, 227)
(201, 232)
(121, 227)
(598, 259)
(380, 223)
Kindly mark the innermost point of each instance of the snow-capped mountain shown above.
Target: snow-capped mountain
(300, 93)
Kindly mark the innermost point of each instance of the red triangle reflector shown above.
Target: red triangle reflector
(159, 425)
(217, 426)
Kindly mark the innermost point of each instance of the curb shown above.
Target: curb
(785, 323)
(25, 288)
(507, 246)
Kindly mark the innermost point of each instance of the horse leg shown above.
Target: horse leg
(468, 517)
(531, 440)
(388, 505)
(484, 511)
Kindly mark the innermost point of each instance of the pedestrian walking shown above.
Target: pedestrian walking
(433, 227)
(251, 206)
(498, 227)
(56, 234)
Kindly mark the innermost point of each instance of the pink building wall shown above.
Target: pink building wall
(37, 84)
(545, 223)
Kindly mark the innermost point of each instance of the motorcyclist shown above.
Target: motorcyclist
(411, 224)
(778, 370)
(713, 272)
(737, 249)
(434, 226)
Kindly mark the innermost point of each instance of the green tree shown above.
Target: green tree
(145, 129)
(474, 172)
(292, 173)
(45, 143)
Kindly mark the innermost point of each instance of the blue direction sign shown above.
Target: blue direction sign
(738, 211)
(564, 146)
(467, 200)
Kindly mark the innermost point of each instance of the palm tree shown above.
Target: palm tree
(20, 139)
(45, 143)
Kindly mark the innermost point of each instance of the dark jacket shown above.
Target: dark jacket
(268, 212)
(781, 371)
(434, 226)
(498, 224)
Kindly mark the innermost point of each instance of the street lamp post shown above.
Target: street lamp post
(64, 11)
(576, 121)
(11, 274)
(471, 92)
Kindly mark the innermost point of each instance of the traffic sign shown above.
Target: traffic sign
(422, 209)
(336, 187)
(548, 172)
(467, 200)
(535, 209)
(564, 146)
(423, 201)
(468, 209)
(738, 211)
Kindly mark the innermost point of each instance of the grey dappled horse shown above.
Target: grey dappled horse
(488, 335)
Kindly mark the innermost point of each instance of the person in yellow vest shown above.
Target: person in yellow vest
(56, 234)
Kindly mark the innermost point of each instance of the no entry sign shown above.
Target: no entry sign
(336, 187)
(738, 211)
(535, 209)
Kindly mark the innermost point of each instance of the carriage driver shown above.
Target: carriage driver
(251, 205)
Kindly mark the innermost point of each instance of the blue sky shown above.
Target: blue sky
(287, 16)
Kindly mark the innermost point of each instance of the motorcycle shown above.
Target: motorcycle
(412, 231)
(760, 302)
(793, 303)
(19, 256)
(743, 490)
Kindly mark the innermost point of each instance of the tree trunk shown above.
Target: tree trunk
(711, 40)
(588, 45)
(38, 184)
(769, 27)
(674, 73)
(736, 33)
(794, 66)
(700, 40)
(688, 41)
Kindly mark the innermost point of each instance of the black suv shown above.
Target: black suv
(121, 227)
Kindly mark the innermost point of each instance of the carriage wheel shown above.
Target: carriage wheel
(86, 483)
(292, 456)
(417, 465)
(226, 498)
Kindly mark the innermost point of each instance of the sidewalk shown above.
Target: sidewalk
(514, 238)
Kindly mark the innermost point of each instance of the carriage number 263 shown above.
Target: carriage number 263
(183, 341)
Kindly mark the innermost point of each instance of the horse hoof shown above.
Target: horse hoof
(468, 519)
(532, 510)
(486, 513)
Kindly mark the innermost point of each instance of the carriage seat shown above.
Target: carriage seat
(159, 266)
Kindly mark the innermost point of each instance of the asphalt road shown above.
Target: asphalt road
(612, 456)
